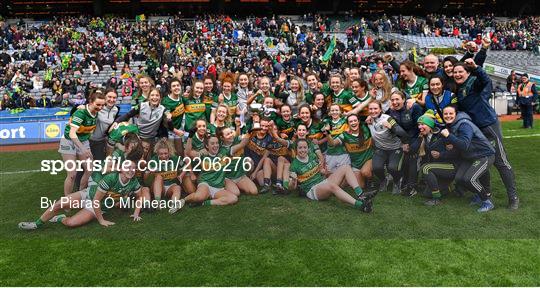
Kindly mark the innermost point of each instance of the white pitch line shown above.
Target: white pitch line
(19, 172)
(522, 136)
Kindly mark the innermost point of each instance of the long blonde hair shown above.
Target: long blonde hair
(164, 143)
(387, 86)
(300, 94)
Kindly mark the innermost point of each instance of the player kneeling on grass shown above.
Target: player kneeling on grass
(211, 179)
(92, 199)
(169, 173)
(305, 172)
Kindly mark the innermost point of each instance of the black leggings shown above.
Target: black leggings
(435, 172)
(393, 160)
(474, 176)
(410, 170)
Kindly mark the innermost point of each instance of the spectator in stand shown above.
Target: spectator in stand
(44, 102)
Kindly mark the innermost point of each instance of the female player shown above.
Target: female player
(357, 142)
(335, 125)
(341, 96)
(145, 84)
(387, 135)
(105, 117)
(238, 168)
(210, 93)
(151, 115)
(74, 145)
(412, 82)
(474, 89)
(305, 174)
(476, 155)
(222, 119)
(91, 200)
(381, 90)
(438, 98)
(174, 104)
(406, 118)
(212, 189)
(438, 167)
(361, 93)
(168, 175)
(197, 136)
(227, 97)
(195, 108)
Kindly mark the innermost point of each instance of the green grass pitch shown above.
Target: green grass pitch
(278, 240)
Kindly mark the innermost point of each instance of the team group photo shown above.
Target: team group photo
(295, 143)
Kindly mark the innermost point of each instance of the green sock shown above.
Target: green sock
(358, 203)
(286, 184)
(60, 218)
(39, 222)
(358, 190)
(436, 194)
(207, 203)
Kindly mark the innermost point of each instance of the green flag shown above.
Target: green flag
(330, 51)
(269, 43)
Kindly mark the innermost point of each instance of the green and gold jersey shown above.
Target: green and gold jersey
(208, 100)
(212, 128)
(315, 133)
(325, 90)
(176, 107)
(235, 168)
(417, 90)
(231, 103)
(213, 170)
(137, 100)
(291, 144)
(168, 169)
(285, 127)
(197, 144)
(359, 151)
(121, 130)
(308, 173)
(195, 109)
(345, 99)
(113, 186)
(260, 98)
(336, 128)
(364, 113)
(83, 121)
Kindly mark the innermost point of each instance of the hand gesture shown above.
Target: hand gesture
(136, 218)
(106, 223)
(445, 132)
(470, 62)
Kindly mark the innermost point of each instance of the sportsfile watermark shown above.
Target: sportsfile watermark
(197, 164)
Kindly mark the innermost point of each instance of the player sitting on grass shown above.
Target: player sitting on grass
(91, 200)
(305, 172)
(211, 179)
(168, 175)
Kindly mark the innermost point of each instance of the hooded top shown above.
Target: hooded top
(473, 98)
(468, 139)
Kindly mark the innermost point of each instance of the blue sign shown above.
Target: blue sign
(19, 133)
(31, 132)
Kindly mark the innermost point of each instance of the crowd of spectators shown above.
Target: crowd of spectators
(509, 34)
(70, 50)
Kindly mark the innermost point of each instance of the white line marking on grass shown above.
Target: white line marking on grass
(522, 136)
(19, 172)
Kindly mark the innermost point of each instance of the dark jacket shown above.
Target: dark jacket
(407, 119)
(467, 138)
(473, 98)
